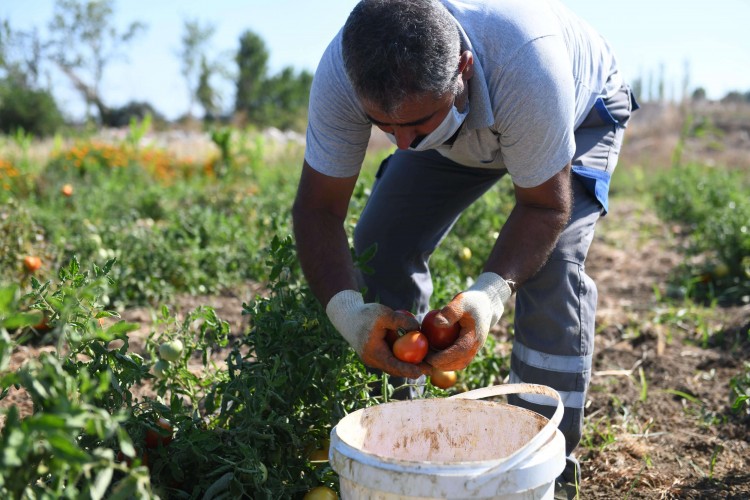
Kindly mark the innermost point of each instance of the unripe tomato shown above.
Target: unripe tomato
(465, 254)
(411, 347)
(160, 368)
(439, 337)
(321, 493)
(442, 379)
(163, 435)
(170, 351)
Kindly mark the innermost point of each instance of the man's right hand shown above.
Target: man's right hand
(365, 326)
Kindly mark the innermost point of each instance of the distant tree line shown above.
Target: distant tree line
(82, 40)
(653, 88)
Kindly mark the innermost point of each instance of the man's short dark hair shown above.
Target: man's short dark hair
(398, 48)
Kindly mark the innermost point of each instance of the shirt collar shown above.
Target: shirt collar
(480, 111)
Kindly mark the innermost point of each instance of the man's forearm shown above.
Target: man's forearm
(525, 242)
(532, 229)
(323, 251)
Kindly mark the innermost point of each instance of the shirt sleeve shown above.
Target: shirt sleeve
(538, 110)
(338, 130)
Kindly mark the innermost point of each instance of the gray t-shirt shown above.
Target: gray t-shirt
(538, 69)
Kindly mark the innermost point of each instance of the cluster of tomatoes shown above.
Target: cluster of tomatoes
(412, 347)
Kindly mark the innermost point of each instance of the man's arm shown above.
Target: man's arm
(523, 246)
(318, 215)
(532, 229)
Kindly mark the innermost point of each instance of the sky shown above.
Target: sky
(707, 40)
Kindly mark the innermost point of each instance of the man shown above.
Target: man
(468, 91)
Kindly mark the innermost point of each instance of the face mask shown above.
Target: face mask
(442, 133)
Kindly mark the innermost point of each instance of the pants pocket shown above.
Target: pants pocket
(598, 143)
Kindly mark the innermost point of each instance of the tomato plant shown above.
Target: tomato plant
(411, 347)
(439, 337)
(443, 379)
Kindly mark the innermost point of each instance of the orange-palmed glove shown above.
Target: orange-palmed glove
(477, 310)
(364, 326)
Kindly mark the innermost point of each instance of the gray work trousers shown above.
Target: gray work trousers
(418, 196)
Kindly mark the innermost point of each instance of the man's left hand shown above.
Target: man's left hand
(476, 310)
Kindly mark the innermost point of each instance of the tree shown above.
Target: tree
(24, 104)
(21, 55)
(84, 40)
(195, 70)
(29, 109)
(206, 93)
(252, 62)
(286, 97)
(699, 94)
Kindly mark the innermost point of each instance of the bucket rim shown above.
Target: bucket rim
(436, 401)
(375, 459)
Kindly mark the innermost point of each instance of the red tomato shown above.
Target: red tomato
(442, 379)
(408, 313)
(163, 435)
(439, 337)
(32, 263)
(411, 347)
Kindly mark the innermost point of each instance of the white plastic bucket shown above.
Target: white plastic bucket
(452, 448)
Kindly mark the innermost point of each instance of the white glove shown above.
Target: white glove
(354, 319)
(364, 326)
(477, 310)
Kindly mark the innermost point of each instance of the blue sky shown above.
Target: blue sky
(711, 37)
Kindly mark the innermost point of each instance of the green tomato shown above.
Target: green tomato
(321, 493)
(160, 367)
(170, 351)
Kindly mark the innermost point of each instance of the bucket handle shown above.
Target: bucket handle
(534, 443)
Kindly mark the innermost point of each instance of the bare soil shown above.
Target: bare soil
(648, 442)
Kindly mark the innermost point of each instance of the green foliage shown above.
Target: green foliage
(713, 207)
(80, 393)
(279, 100)
(25, 108)
(133, 111)
(17, 234)
(174, 228)
(290, 380)
(739, 388)
(252, 63)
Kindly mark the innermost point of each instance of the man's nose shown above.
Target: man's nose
(404, 136)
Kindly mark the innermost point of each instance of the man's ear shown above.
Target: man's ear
(466, 65)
